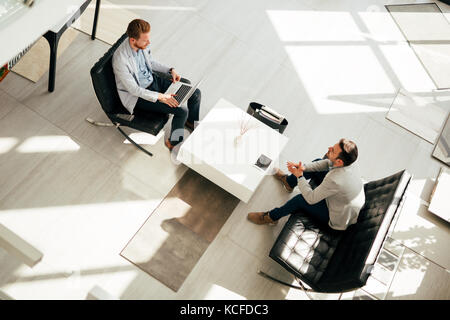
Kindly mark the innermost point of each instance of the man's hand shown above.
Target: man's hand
(168, 99)
(296, 169)
(175, 76)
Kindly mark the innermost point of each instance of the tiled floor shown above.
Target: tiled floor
(78, 193)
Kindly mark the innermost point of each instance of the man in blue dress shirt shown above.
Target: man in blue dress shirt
(140, 88)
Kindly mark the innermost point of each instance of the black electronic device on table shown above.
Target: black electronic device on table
(263, 162)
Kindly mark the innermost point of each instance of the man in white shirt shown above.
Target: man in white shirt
(338, 197)
(141, 89)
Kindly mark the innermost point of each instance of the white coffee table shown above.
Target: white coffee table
(212, 152)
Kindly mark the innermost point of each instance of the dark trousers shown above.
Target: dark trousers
(318, 211)
(180, 113)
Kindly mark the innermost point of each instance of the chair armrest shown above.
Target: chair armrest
(169, 77)
(124, 117)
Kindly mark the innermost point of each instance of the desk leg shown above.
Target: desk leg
(53, 40)
(94, 27)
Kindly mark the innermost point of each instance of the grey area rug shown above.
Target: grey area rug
(178, 232)
(428, 33)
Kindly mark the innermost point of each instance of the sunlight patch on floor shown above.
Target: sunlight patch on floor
(217, 292)
(340, 70)
(334, 52)
(7, 143)
(314, 26)
(48, 144)
(143, 138)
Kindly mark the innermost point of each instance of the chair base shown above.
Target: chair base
(301, 287)
(104, 124)
(133, 142)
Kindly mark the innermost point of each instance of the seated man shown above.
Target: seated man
(338, 197)
(140, 88)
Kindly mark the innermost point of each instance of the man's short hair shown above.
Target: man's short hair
(349, 151)
(136, 27)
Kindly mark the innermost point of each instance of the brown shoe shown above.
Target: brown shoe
(169, 145)
(189, 125)
(261, 218)
(280, 175)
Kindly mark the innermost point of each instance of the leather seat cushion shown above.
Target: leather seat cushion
(305, 247)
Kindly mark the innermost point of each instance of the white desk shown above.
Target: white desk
(30, 23)
(46, 17)
(210, 150)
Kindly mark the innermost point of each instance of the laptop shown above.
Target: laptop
(183, 91)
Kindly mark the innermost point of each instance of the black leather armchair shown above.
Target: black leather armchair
(104, 83)
(331, 261)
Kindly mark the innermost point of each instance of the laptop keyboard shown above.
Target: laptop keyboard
(182, 92)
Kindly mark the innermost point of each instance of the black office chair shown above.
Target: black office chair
(104, 83)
